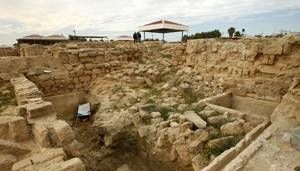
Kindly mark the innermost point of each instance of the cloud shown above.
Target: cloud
(50, 16)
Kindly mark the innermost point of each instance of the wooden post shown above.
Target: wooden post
(163, 37)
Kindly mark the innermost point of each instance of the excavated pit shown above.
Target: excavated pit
(155, 107)
(104, 150)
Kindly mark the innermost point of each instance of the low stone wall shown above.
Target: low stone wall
(70, 67)
(32, 50)
(262, 68)
(8, 51)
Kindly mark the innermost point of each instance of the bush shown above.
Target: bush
(203, 35)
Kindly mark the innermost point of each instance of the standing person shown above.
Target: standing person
(139, 36)
(134, 37)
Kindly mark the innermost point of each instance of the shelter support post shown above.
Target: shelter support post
(163, 37)
(144, 36)
(182, 36)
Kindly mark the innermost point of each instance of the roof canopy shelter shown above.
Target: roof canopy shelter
(84, 38)
(38, 39)
(163, 26)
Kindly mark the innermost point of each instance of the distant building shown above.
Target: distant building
(38, 39)
(123, 38)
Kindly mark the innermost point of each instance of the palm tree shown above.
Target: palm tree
(231, 31)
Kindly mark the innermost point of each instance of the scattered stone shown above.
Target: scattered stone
(221, 144)
(174, 124)
(124, 167)
(217, 121)
(295, 138)
(193, 117)
(286, 137)
(155, 114)
(208, 113)
(233, 128)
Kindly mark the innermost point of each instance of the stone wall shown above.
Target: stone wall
(32, 50)
(70, 67)
(8, 51)
(260, 68)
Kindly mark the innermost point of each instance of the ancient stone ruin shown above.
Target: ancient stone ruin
(204, 105)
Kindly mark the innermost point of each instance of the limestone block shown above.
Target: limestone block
(90, 66)
(39, 109)
(74, 164)
(18, 129)
(6, 162)
(250, 55)
(268, 59)
(38, 160)
(83, 54)
(60, 75)
(61, 133)
(41, 134)
(86, 60)
(272, 49)
(220, 143)
(9, 147)
(232, 128)
(84, 78)
(217, 121)
(5, 76)
(4, 134)
(124, 167)
(72, 149)
(182, 151)
(295, 138)
(47, 155)
(193, 117)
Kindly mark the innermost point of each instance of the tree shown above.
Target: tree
(243, 32)
(237, 34)
(231, 31)
(203, 35)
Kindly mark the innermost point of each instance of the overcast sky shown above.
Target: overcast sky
(19, 18)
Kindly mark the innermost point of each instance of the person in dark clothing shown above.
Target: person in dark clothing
(135, 37)
(139, 36)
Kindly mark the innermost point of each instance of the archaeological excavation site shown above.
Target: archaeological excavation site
(204, 105)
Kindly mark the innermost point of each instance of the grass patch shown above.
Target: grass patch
(191, 96)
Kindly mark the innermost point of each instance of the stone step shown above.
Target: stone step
(40, 160)
(9, 147)
(7, 161)
(74, 164)
(39, 109)
(13, 127)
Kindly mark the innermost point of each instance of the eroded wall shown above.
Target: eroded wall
(69, 67)
(259, 68)
(8, 51)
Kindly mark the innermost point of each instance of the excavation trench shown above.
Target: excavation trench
(148, 143)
